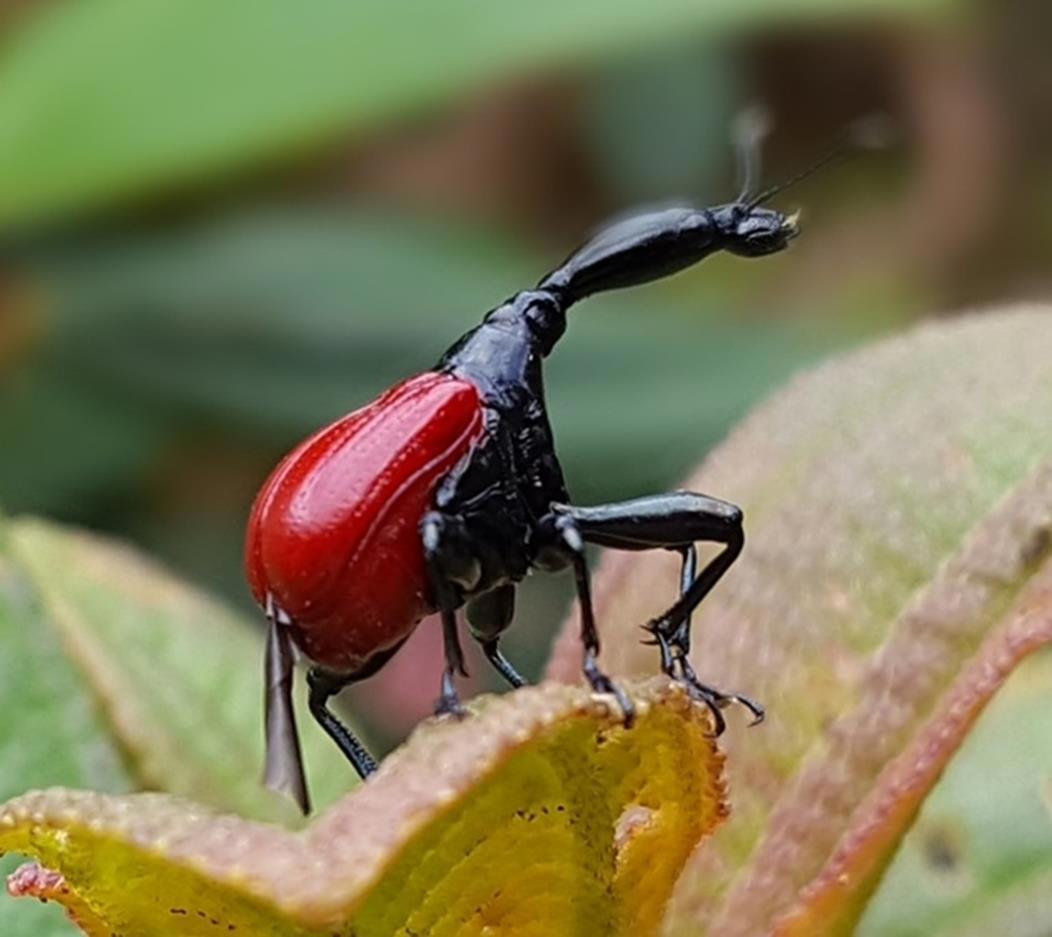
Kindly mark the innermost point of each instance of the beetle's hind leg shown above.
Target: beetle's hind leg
(674, 521)
(323, 686)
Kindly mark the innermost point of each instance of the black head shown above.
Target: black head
(752, 230)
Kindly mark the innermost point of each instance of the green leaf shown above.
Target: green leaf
(541, 813)
(177, 675)
(979, 857)
(108, 98)
(50, 730)
(898, 504)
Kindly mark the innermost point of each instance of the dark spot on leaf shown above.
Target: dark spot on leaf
(1037, 544)
(942, 848)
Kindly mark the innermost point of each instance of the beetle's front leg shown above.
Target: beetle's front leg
(674, 521)
(678, 665)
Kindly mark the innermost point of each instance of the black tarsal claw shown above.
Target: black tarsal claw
(758, 712)
(628, 710)
(713, 698)
(723, 700)
(601, 683)
(449, 702)
(720, 724)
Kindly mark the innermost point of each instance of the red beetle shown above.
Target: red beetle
(446, 490)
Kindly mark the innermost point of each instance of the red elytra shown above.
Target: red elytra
(333, 537)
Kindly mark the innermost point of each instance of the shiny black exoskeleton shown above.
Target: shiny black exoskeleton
(506, 509)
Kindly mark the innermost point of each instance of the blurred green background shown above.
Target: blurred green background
(224, 224)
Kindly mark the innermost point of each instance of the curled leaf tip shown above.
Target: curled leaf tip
(540, 811)
(32, 879)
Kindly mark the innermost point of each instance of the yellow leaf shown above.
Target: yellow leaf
(540, 815)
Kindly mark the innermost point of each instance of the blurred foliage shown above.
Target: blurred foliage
(223, 224)
(103, 99)
(178, 348)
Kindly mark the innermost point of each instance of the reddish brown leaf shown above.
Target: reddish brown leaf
(898, 506)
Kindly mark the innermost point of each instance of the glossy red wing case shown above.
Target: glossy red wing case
(334, 533)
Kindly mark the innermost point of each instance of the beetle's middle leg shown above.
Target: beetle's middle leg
(674, 521)
(489, 615)
(453, 569)
(563, 536)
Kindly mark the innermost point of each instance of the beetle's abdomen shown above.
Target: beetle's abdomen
(334, 533)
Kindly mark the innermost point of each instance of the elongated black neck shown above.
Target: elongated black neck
(634, 251)
(517, 334)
